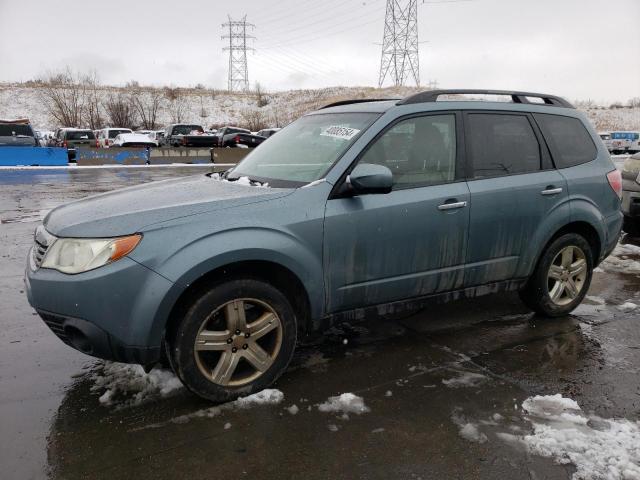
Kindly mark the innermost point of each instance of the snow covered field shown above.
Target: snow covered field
(210, 107)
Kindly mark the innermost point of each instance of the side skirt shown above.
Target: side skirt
(416, 303)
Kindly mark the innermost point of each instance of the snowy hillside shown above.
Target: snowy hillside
(216, 108)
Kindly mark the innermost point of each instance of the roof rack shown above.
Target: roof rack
(516, 97)
(358, 100)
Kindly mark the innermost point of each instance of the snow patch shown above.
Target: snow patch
(467, 430)
(599, 448)
(465, 379)
(627, 307)
(128, 385)
(346, 403)
(293, 409)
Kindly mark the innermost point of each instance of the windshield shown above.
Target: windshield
(305, 150)
(7, 130)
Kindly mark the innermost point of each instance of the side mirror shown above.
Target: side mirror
(369, 178)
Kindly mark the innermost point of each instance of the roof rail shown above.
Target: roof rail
(516, 97)
(358, 100)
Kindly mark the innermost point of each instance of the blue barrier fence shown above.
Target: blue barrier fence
(42, 156)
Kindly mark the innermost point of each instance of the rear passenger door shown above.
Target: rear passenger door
(513, 187)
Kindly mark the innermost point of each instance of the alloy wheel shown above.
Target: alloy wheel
(567, 275)
(238, 342)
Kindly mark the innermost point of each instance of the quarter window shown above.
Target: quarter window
(502, 145)
(419, 151)
(569, 141)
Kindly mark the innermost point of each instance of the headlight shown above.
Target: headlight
(76, 255)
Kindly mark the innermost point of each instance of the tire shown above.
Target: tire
(228, 363)
(564, 278)
(632, 226)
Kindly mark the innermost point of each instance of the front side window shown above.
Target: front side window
(305, 150)
(419, 151)
(501, 145)
(569, 141)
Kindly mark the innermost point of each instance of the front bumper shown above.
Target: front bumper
(630, 203)
(111, 312)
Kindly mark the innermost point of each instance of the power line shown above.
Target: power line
(238, 73)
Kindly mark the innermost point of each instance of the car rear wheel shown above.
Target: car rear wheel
(234, 340)
(562, 277)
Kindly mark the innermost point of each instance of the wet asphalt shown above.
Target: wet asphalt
(53, 426)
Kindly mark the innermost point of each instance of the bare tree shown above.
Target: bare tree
(177, 107)
(120, 111)
(634, 102)
(64, 96)
(93, 105)
(261, 99)
(147, 105)
(253, 119)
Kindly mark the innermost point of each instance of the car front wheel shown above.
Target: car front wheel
(235, 339)
(562, 277)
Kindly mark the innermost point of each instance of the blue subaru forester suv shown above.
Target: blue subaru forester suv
(363, 207)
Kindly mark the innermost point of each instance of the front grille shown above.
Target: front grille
(55, 323)
(41, 243)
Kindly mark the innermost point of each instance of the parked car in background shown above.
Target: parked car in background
(74, 138)
(188, 135)
(17, 133)
(267, 132)
(133, 140)
(606, 139)
(372, 206)
(625, 142)
(237, 137)
(107, 135)
(631, 195)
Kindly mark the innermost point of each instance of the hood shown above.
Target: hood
(130, 210)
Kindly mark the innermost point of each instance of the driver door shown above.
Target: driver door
(380, 248)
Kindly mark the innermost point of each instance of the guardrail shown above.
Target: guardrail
(33, 156)
(55, 156)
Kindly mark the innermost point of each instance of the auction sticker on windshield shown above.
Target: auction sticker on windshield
(336, 131)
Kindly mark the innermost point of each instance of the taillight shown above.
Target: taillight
(237, 139)
(64, 144)
(615, 180)
(184, 141)
(97, 144)
(106, 142)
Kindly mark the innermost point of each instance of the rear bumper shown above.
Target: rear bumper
(630, 203)
(111, 312)
(613, 224)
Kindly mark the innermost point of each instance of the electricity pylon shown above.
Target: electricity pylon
(238, 73)
(400, 43)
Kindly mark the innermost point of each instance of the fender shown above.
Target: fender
(206, 254)
(555, 220)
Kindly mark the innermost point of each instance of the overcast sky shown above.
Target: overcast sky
(576, 48)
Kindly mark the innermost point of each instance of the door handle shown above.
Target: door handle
(451, 206)
(551, 191)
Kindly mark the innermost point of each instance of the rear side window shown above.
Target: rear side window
(502, 144)
(569, 141)
(80, 135)
(9, 129)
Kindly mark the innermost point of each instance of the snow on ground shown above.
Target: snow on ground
(125, 385)
(599, 448)
(467, 430)
(621, 260)
(627, 307)
(465, 379)
(345, 403)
